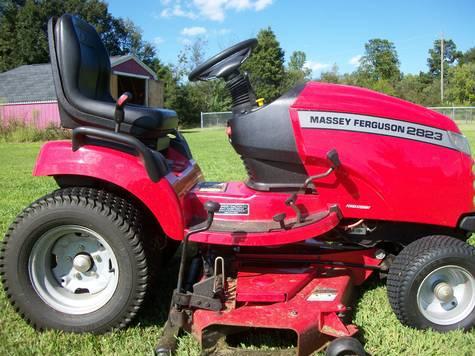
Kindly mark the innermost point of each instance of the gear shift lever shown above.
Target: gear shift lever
(119, 109)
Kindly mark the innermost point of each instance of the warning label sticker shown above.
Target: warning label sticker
(323, 295)
(374, 125)
(233, 209)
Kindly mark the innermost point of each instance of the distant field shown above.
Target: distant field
(380, 330)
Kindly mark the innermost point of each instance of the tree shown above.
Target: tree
(419, 89)
(331, 76)
(468, 56)
(296, 72)
(130, 41)
(450, 56)
(461, 90)
(380, 61)
(266, 66)
(191, 98)
(23, 30)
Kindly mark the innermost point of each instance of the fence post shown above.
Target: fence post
(201, 117)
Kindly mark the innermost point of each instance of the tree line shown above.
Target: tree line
(23, 40)
(379, 70)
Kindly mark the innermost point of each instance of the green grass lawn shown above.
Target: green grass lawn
(380, 330)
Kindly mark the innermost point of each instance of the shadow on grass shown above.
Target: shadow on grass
(374, 282)
(154, 311)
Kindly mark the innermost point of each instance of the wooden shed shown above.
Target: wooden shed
(27, 92)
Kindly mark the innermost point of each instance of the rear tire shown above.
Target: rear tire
(431, 284)
(73, 260)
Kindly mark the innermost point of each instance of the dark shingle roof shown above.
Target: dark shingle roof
(27, 83)
(34, 82)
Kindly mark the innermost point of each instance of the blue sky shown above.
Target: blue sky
(328, 32)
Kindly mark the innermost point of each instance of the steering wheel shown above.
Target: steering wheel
(224, 63)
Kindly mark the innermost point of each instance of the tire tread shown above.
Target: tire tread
(117, 210)
(410, 261)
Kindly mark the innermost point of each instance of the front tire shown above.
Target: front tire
(431, 284)
(345, 346)
(74, 261)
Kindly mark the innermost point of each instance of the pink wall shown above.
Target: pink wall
(39, 114)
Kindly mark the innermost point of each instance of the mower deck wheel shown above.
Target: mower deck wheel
(74, 261)
(345, 346)
(431, 284)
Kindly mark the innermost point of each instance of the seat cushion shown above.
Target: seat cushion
(82, 70)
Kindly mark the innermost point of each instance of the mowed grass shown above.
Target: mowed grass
(380, 330)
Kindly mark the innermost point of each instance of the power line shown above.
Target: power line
(442, 68)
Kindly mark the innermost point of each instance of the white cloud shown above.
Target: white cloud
(158, 41)
(177, 11)
(193, 31)
(316, 66)
(214, 10)
(355, 60)
(211, 9)
(262, 4)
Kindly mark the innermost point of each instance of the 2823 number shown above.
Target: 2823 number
(424, 133)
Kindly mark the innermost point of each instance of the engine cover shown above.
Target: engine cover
(399, 160)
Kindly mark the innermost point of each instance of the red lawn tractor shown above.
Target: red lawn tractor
(343, 183)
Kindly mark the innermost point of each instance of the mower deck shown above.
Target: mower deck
(306, 294)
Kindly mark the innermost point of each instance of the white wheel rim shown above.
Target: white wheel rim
(73, 269)
(446, 296)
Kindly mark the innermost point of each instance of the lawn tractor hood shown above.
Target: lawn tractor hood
(400, 161)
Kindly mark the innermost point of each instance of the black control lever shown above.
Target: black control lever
(291, 202)
(280, 219)
(334, 159)
(119, 109)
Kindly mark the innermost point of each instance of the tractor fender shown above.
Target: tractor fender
(122, 169)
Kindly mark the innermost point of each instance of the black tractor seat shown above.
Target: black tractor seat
(82, 71)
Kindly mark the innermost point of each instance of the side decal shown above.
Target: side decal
(374, 125)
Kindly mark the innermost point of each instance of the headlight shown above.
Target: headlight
(460, 142)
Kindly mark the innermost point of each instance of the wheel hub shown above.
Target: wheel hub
(447, 295)
(82, 262)
(444, 292)
(73, 269)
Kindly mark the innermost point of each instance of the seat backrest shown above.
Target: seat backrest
(81, 70)
(83, 61)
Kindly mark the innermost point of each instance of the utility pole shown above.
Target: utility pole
(442, 68)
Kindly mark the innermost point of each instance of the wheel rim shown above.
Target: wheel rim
(446, 296)
(73, 269)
